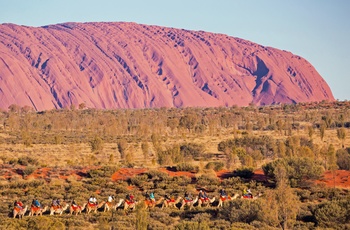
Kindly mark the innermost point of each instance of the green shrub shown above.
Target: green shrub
(29, 170)
(244, 172)
(187, 167)
(331, 214)
(27, 161)
(215, 165)
(96, 144)
(191, 150)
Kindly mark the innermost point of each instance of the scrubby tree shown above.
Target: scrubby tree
(331, 214)
(322, 130)
(122, 148)
(343, 159)
(96, 144)
(341, 134)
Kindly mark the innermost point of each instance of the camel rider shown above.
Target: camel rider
(110, 199)
(18, 204)
(202, 195)
(92, 200)
(36, 203)
(188, 196)
(166, 197)
(151, 197)
(223, 193)
(54, 203)
(130, 198)
(147, 197)
(245, 192)
(74, 203)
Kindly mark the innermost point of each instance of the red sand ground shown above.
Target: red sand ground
(341, 179)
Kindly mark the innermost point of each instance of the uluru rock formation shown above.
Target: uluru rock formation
(129, 65)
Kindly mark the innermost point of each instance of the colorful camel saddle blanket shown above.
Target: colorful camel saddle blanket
(247, 196)
(35, 208)
(129, 202)
(55, 207)
(92, 204)
(18, 208)
(171, 200)
(75, 207)
(223, 198)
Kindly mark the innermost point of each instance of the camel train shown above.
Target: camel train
(128, 204)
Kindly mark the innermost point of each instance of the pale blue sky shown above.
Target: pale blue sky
(318, 30)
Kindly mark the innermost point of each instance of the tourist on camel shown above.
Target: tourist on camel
(56, 203)
(167, 198)
(36, 203)
(18, 204)
(247, 193)
(223, 193)
(74, 204)
(151, 197)
(130, 198)
(188, 196)
(110, 198)
(93, 200)
(202, 195)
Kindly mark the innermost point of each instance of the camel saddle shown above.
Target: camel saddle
(18, 209)
(171, 200)
(75, 207)
(247, 196)
(129, 202)
(35, 208)
(92, 204)
(55, 207)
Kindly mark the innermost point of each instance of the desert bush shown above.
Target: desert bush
(332, 214)
(45, 223)
(25, 161)
(190, 225)
(241, 211)
(191, 150)
(187, 167)
(96, 144)
(104, 171)
(215, 165)
(343, 159)
(298, 169)
(206, 180)
(244, 172)
(29, 170)
(139, 180)
(157, 175)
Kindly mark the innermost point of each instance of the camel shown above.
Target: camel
(223, 199)
(19, 212)
(37, 210)
(189, 203)
(93, 207)
(129, 205)
(151, 204)
(109, 205)
(171, 202)
(206, 202)
(58, 209)
(251, 197)
(77, 209)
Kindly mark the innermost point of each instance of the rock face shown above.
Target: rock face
(128, 65)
